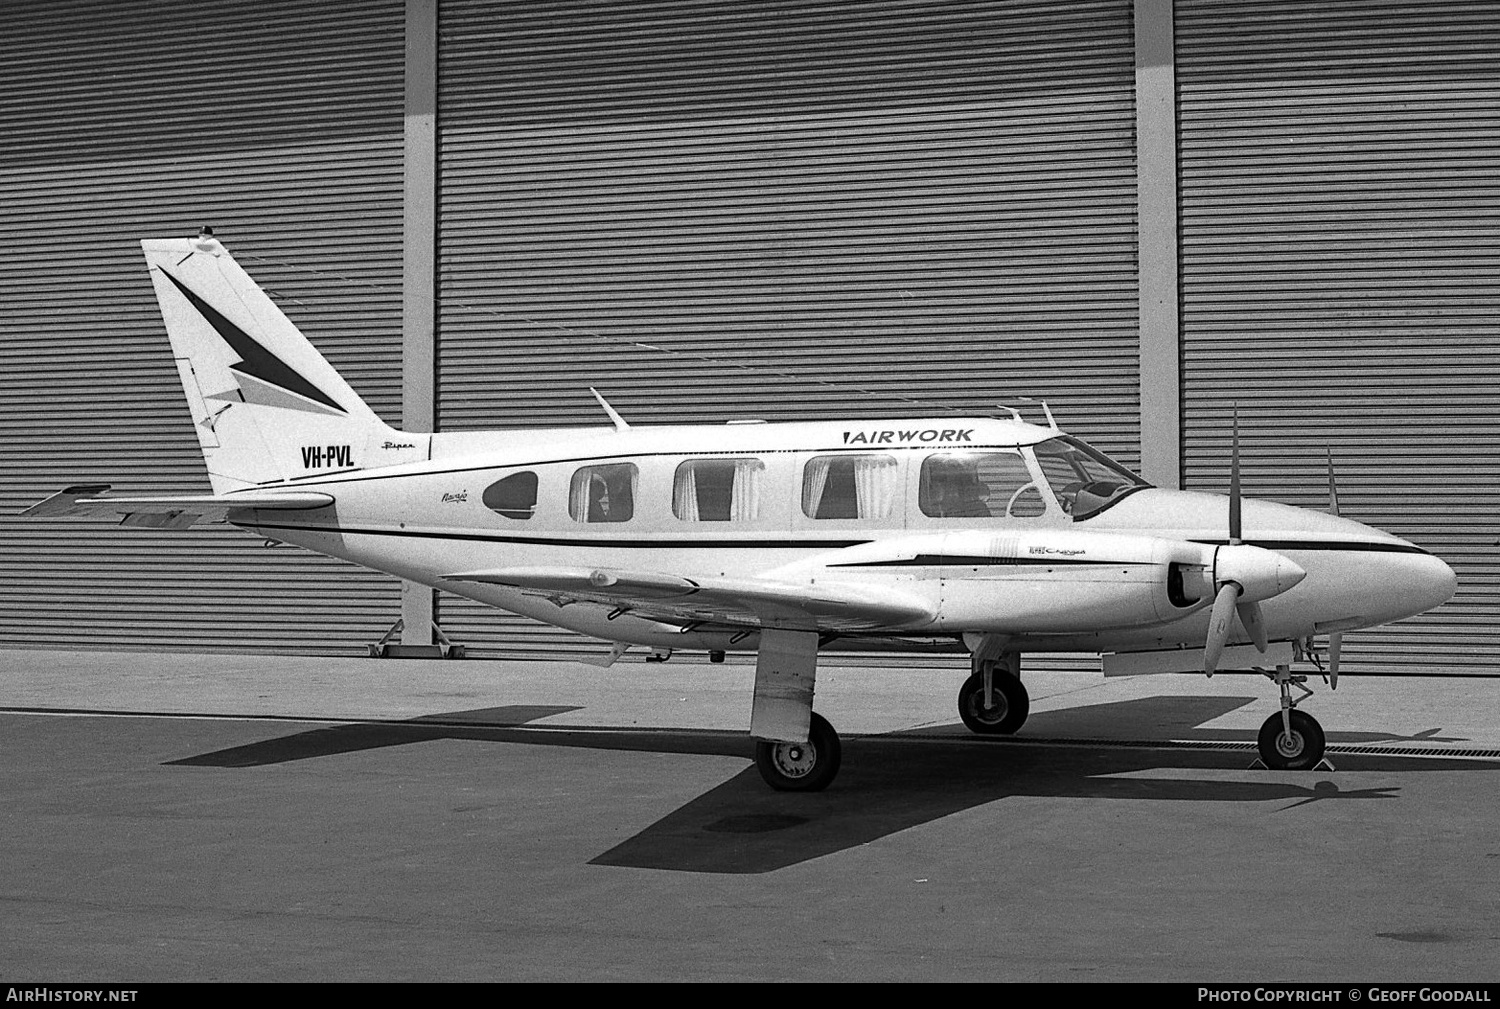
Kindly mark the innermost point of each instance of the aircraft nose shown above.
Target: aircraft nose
(1431, 582)
(1400, 585)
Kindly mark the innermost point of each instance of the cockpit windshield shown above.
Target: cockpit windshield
(1084, 480)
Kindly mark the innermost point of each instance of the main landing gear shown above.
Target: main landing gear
(791, 761)
(801, 767)
(993, 700)
(1290, 740)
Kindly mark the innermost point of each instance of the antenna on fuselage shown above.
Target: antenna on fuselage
(1047, 410)
(614, 416)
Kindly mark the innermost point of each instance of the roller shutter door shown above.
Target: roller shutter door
(821, 211)
(279, 123)
(1341, 280)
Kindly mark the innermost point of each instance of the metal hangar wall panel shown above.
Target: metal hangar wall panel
(1340, 225)
(280, 123)
(814, 211)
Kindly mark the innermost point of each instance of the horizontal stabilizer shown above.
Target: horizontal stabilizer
(90, 501)
(734, 602)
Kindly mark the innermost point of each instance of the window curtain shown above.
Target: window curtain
(685, 493)
(744, 502)
(814, 480)
(875, 485)
(578, 500)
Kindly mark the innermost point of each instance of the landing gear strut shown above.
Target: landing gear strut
(801, 767)
(993, 700)
(1290, 740)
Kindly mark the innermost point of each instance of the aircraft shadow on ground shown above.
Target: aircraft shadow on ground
(887, 783)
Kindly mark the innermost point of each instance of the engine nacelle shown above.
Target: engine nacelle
(1054, 581)
(1064, 582)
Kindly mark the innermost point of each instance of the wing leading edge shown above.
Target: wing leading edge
(749, 603)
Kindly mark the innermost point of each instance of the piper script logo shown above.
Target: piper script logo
(327, 456)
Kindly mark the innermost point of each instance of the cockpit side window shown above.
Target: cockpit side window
(978, 485)
(603, 493)
(1084, 480)
(513, 496)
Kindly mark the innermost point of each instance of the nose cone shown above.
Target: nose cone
(1430, 582)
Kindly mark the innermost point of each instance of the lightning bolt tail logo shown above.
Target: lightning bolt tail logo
(263, 377)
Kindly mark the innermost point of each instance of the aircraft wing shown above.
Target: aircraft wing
(750, 603)
(168, 512)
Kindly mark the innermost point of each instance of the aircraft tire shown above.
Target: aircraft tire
(1299, 753)
(1006, 717)
(801, 767)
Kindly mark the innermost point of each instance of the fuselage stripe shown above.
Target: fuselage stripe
(1360, 546)
(686, 542)
(951, 560)
(639, 544)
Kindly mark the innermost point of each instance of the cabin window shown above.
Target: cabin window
(850, 487)
(718, 490)
(978, 485)
(603, 493)
(513, 496)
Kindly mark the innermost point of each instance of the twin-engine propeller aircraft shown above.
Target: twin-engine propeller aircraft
(996, 536)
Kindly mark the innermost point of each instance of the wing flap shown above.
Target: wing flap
(90, 501)
(735, 602)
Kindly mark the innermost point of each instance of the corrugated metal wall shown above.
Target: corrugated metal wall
(927, 200)
(930, 201)
(279, 123)
(1341, 279)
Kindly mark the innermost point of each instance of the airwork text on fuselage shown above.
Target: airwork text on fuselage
(325, 456)
(911, 436)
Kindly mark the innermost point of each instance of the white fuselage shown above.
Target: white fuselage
(1035, 569)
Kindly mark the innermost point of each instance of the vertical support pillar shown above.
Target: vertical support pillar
(419, 276)
(1156, 192)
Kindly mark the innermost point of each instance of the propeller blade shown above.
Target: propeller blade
(1333, 487)
(1220, 623)
(1234, 480)
(1335, 642)
(1251, 617)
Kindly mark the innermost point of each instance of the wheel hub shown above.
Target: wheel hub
(1289, 745)
(991, 713)
(795, 760)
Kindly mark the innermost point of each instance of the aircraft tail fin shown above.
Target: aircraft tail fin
(266, 406)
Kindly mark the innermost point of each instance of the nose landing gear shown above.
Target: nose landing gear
(993, 700)
(1290, 740)
(1000, 707)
